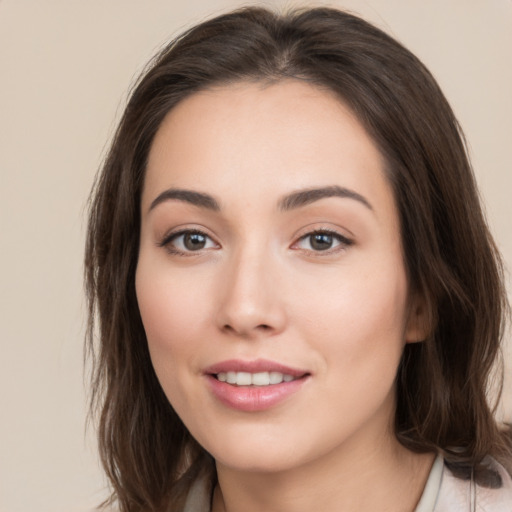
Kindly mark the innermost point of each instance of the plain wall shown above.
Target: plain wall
(65, 68)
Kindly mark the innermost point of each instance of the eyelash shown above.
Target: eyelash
(343, 242)
(171, 237)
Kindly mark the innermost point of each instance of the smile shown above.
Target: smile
(252, 386)
(254, 379)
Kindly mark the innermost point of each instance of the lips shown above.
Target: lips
(253, 385)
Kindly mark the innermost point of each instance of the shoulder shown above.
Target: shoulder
(463, 495)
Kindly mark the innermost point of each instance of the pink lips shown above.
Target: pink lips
(253, 398)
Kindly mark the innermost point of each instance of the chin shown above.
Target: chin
(260, 452)
(257, 460)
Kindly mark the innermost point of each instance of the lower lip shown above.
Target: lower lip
(253, 398)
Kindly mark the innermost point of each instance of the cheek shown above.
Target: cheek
(361, 298)
(172, 314)
(359, 318)
(358, 327)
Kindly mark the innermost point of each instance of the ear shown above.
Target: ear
(419, 320)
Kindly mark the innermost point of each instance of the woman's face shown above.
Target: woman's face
(270, 278)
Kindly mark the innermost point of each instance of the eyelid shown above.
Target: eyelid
(344, 241)
(166, 241)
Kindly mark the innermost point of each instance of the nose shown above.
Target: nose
(251, 302)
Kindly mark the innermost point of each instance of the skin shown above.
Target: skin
(260, 289)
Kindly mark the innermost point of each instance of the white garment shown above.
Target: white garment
(446, 493)
(443, 493)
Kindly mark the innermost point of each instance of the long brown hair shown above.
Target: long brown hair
(451, 259)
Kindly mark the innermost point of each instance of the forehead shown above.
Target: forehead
(263, 140)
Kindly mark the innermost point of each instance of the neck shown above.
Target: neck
(383, 476)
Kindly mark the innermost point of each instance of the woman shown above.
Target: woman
(299, 302)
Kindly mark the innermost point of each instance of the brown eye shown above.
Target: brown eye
(321, 241)
(194, 241)
(188, 241)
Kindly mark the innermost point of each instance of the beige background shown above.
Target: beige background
(65, 67)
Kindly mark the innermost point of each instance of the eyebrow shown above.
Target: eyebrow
(188, 196)
(305, 197)
(287, 203)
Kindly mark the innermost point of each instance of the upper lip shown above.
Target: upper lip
(255, 366)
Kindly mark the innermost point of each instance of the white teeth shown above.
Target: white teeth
(254, 379)
(243, 379)
(261, 379)
(275, 377)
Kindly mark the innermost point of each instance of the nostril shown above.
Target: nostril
(233, 330)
